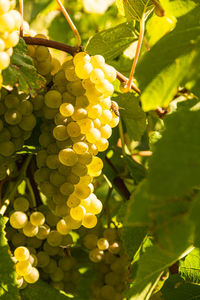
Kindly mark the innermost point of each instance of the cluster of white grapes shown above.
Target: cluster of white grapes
(16, 124)
(10, 22)
(111, 264)
(80, 105)
(45, 247)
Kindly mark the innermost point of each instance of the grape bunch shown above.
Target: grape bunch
(10, 21)
(79, 104)
(16, 124)
(111, 264)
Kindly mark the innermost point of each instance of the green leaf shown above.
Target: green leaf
(132, 238)
(138, 171)
(155, 260)
(8, 284)
(111, 42)
(178, 7)
(175, 164)
(40, 291)
(167, 61)
(132, 115)
(175, 288)
(189, 267)
(134, 9)
(22, 73)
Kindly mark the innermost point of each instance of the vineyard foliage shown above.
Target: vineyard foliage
(99, 186)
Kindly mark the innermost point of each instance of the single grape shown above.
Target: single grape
(33, 276)
(18, 219)
(21, 253)
(37, 218)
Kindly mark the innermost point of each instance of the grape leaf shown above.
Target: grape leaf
(178, 7)
(175, 164)
(8, 284)
(189, 267)
(22, 73)
(111, 42)
(175, 288)
(134, 9)
(138, 171)
(132, 238)
(40, 291)
(132, 115)
(167, 61)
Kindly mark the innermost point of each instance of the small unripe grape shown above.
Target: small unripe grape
(80, 147)
(21, 204)
(43, 232)
(68, 157)
(60, 132)
(73, 129)
(30, 230)
(77, 213)
(43, 259)
(53, 99)
(90, 241)
(18, 219)
(54, 238)
(23, 268)
(66, 109)
(73, 201)
(62, 227)
(96, 255)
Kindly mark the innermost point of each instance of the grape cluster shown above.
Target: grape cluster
(16, 124)
(45, 247)
(25, 263)
(79, 104)
(111, 264)
(10, 21)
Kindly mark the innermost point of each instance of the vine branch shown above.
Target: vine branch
(70, 50)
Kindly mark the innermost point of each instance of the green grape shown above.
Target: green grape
(114, 122)
(37, 218)
(13, 116)
(58, 275)
(51, 219)
(80, 147)
(106, 131)
(50, 250)
(33, 260)
(85, 125)
(56, 178)
(93, 135)
(73, 201)
(4, 57)
(25, 107)
(62, 210)
(102, 144)
(60, 132)
(68, 98)
(53, 99)
(44, 67)
(42, 53)
(105, 87)
(21, 253)
(75, 88)
(89, 220)
(114, 248)
(109, 72)
(60, 119)
(54, 238)
(62, 227)
(110, 234)
(106, 116)
(33, 276)
(97, 75)
(83, 71)
(81, 57)
(95, 166)
(97, 123)
(72, 178)
(79, 114)
(38, 102)
(41, 158)
(97, 61)
(5, 135)
(45, 139)
(96, 255)
(43, 232)
(18, 239)
(23, 267)
(4, 6)
(49, 113)
(11, 101)
(43, 259)
(79, 169)
(52, 161)
(52, 148)
(18, 219)
(71, 223)
(66, 188)
(68, 157)
(51, 267)
(82, 190)
(102, 244)
(94, 111)
(30, 230)
(70, 74)
(41, 175)
(112, 278)
(57, 285)
(82, 101)
(67, 263)
(73, 129)
(90, 241)
(28, 122)
(95, 206)
(33, 242)
(21, 204)
(107, 292)
(85, 158)
(47, 188)
(78, 212)
(59, 198)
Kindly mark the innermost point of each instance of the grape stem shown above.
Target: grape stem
(159, 7)
(12, 189)
(71, 50)
(29, 186)
(70, 22)
(139, 44)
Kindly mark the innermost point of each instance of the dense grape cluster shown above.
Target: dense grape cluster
(16, 124)
(10, 21)
(111, 264)
(45, 247)
(79, 104)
